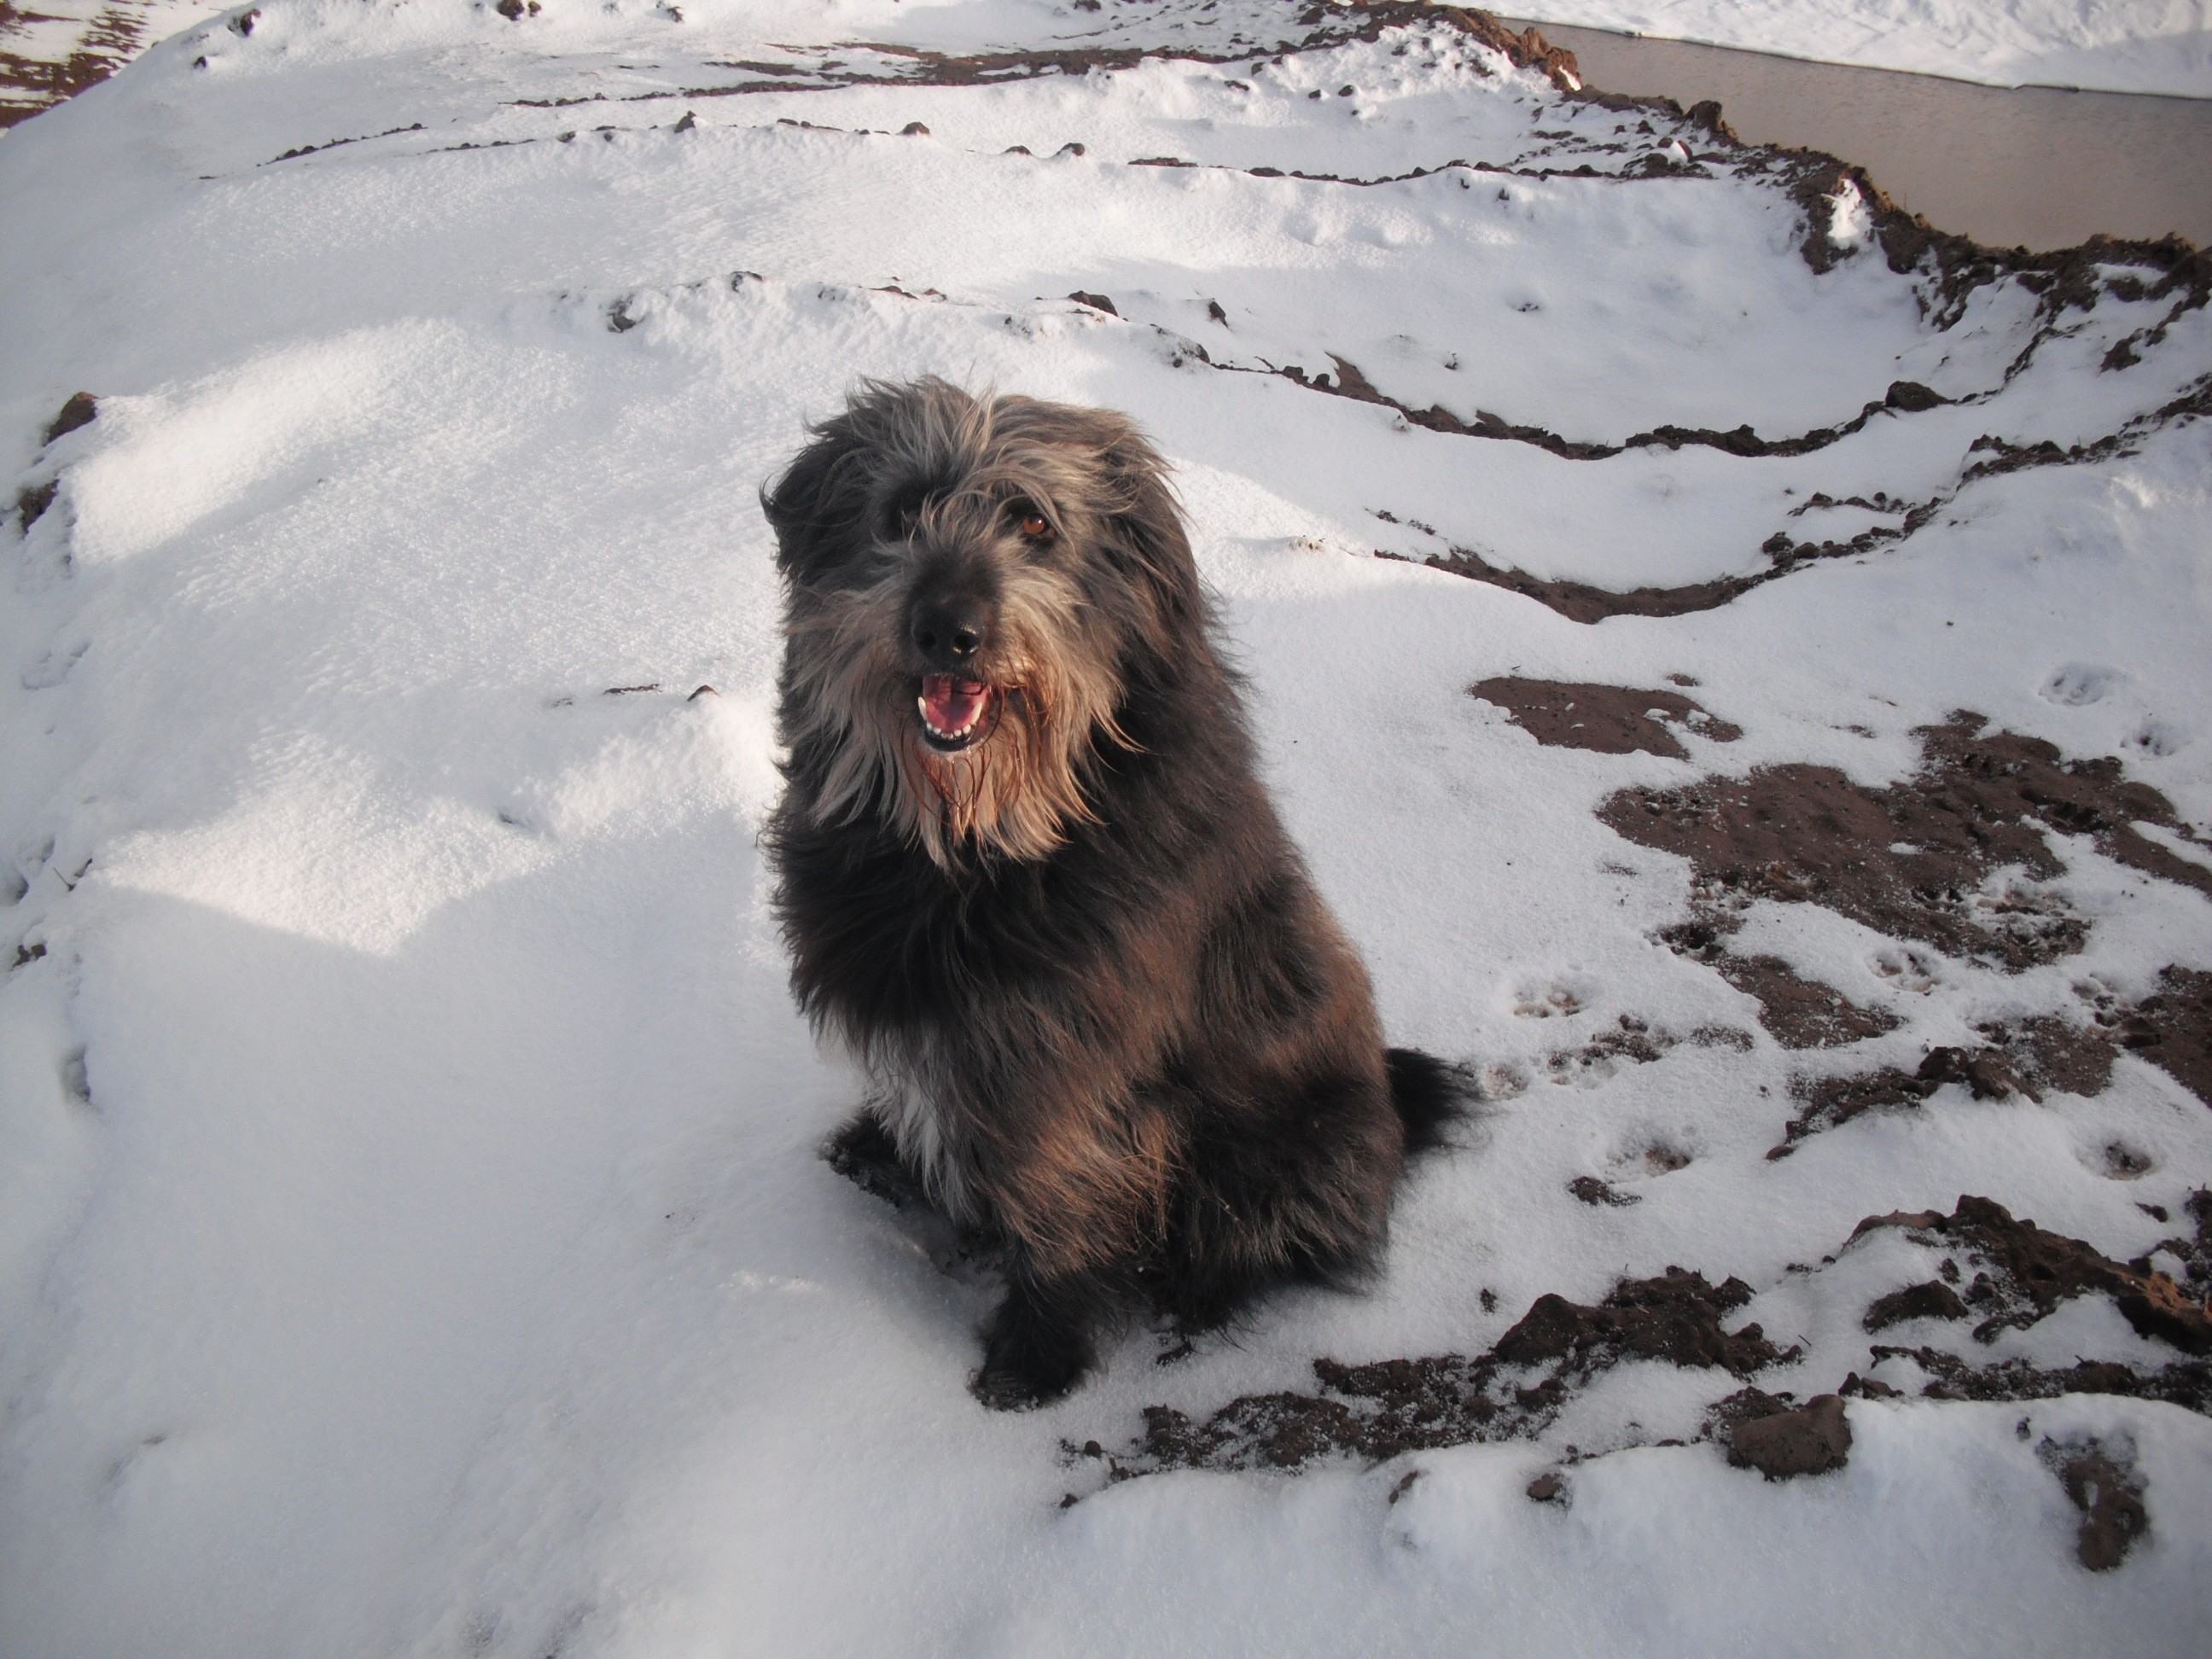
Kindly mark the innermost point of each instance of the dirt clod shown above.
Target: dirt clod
(33, 500)
(2105, 1487)
(1933, 1300)
(1546, 1487)
(1636, 1041)
(1868, 1387)
(1809, 1439)
(82, 409)
(1095, 302)
(1612, 719)
(1985, 1072)
(1675, 1317)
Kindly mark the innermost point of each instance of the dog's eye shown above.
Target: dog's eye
(1034, 524)
(903, 512)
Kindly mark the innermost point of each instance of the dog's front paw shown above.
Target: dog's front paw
(1013, 1388)
(1029, 1360)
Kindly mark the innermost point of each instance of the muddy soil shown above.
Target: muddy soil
(2026, 1058)
(2172, 1028)
(2044, 1053)
(1798, 1012)
(111, 38)
(2019, 1273)
(2101, 1482)
(1377, 1411)
(1637, 1042)
(1612, 719)
(1916, 861)
(1952, 857)
(2184, 1383)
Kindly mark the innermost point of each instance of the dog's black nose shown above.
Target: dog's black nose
(949, 633)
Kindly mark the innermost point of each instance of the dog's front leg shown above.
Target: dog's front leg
(1039, 1342)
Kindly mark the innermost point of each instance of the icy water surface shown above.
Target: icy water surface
(2041, 166)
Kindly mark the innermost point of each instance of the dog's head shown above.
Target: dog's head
(972, 583)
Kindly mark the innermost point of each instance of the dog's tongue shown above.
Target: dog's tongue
(951, 703)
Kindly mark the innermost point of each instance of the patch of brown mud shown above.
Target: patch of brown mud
(1586, 602)
(2051, 1055)
(1631, 1039)
(2029, 1057)
(32, 499)
(2100, 1480)
(2172, 1028)
(2023, 1273)
(1378, 1411)
(111, 38)
(1796, 1011)
(82, 409)
(1915, 861)
(1612, 719)
(1829, 1103)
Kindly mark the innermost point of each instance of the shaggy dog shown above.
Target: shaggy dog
(1030, 879)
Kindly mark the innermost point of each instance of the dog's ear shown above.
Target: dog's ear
(816, 505)
(1147, 535)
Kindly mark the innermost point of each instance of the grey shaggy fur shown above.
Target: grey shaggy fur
(1029, 877)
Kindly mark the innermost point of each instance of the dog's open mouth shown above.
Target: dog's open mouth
(955, 713)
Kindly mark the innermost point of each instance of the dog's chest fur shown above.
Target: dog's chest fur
(912, 1082)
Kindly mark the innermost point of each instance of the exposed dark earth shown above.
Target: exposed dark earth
(2011, 1274)
(1613, 720)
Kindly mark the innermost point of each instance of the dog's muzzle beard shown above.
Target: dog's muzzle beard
(955, 700)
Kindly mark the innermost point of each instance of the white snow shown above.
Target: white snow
(411, 1236)
(2110, 46)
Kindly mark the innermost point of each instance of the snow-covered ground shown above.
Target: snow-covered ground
(2110, 46)
(412, 1236)
(51, 48)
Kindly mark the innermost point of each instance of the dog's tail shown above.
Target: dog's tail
(1431, 1096)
